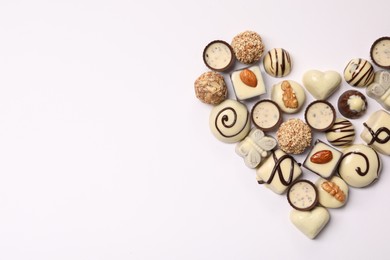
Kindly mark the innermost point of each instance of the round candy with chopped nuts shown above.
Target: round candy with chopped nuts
(294, 136)
(210, 88)
(248, 47)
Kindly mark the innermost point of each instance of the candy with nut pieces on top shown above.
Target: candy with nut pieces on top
(266, 115)
(380, 52)
(248, 47)
(229, 121)
(321, 85)
(302, 195)
(289, 95)
(332, 193)
(255, 147)
(278, 171)
(341, 134)
(277, 63)
(322, 159)
(359, 73)
(310, 223)
(380, 88)
(360, 166)
(376, 132)
(210, 88)
(320, 115)
(294, 136)
(218, 55)
(352, 104)
(248, 83)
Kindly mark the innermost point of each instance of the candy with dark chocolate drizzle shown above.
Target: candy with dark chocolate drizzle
(375, 135)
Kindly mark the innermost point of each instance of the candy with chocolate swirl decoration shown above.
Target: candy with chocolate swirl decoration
(359, 73)
(341, 134)
(360, 166)
(229, 121)
(376, 131)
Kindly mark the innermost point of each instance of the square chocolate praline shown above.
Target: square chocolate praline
(319, 167)
(244, 91)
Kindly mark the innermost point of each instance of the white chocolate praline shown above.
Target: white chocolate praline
(376, 132)
(310, 223)
(359, 73)
(302, 195)
(218, 55)
(277, 62)
(229, 121)
(266, 115)
(321, 85)
(380, 88)
(255, 147)
(278, 178)
(320, 115)
(360, 166)
(341, 134)
(380, 52)
(328, 200)
(244, 91)
(280, 96)
(324, 170)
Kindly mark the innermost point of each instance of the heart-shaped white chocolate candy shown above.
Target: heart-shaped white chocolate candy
(311, 222)
(321, 84)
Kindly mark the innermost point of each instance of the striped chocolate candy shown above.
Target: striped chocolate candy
(277, 63)
(341, 134)
(359, 73)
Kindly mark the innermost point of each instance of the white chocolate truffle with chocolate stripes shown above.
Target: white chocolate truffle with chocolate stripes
(277, 63)
(359, 73)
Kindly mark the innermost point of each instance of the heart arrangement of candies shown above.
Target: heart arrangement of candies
(272, 157)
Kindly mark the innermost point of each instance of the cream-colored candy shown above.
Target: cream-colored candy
(360, 165)
(311, 222)
(359, 73)
(229, 121)
(289, 95)
(277, 62)
(218, 55)
(242, 90)
(278, 171)
(342, 133)
(321, 84)
(320, 115)
(380, 88)
(332, 193)
(376, 132)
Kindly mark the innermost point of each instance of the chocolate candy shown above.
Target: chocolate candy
(255, 147)
(289, 95)
(360, 166)
(380, 52)
(310, 223)
(320, 115)
(266, 115)
(248, 83)
(321, 85)
(376, 132)
(210, 88)
(278, 171)
(248, 47)
(359, 73)
(332, 193)
(229, 121)
(294, 136)
(218, 56)
(380, 88)
(322, 159)
(352, 104)
(277, 62)
(342, 133)
(302, 195)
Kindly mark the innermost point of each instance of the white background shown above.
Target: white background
(105, 152)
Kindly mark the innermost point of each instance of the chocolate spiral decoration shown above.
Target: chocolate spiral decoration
(358, 170)
(375, 135)
(277, 168)
(226, 119)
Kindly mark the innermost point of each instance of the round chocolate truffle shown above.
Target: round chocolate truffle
(218, 55)
(302, 195)
(352, 104)
(341, 134)
(332, 193)
(359, 73)
(380, 52)
(248, 47)
(294, 136)
(320, 115)
(266, 115)
(277, 63)
(210, 88)
(289, 95)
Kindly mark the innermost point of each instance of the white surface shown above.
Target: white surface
(105, 153)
